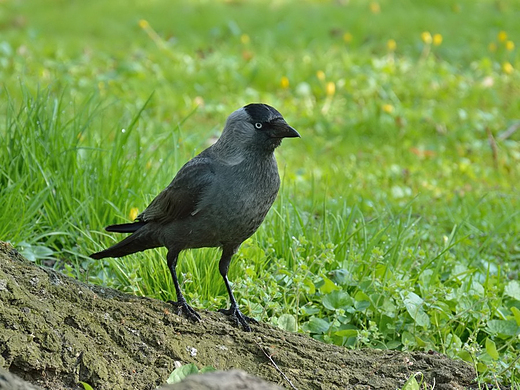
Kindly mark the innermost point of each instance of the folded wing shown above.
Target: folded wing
(182, 196)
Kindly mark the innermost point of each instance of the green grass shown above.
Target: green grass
(398, 221)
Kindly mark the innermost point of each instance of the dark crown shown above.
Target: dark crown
(262, 112)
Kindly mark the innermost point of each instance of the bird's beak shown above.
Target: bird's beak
(281, 129)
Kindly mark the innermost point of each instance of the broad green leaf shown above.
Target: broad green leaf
(512, 289)
(408, 339)
(465, 355)
(516, 314)
(287, 322)
(414, 306)
(453, 341)
(381, 270)
(393, 344)
(361, 305)
(346, 333)
(311, 289)
(86, 386)
(482, 367)
(36, 252)
(411, 384)
(309, 310)
(503, 327)
(182, 372)
(477, 289)
(361, 296)
(317, 325)
(491, 349)
(328, 286)
(426, 278)
(388, 307)
(337, 300)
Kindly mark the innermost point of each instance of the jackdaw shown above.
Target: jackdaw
(217, 199)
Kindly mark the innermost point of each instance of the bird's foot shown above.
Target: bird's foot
(239, 318)
(184, 309)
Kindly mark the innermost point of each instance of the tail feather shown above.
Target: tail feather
(137, 242)
(125, 227)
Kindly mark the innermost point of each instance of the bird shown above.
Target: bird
(218, 199)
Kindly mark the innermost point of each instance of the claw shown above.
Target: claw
(184, 309)
(240, 319)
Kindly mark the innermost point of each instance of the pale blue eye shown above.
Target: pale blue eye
(258, 125)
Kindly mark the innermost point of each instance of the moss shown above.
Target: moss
(56, 331)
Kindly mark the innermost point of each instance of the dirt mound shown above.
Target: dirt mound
(56, 332)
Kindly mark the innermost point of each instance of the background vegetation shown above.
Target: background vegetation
(397, 225)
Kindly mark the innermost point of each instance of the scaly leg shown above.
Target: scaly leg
(233, 311)
(181, 303)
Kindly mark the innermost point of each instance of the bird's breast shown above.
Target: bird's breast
(242, 199)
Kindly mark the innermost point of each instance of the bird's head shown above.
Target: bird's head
(257, 127)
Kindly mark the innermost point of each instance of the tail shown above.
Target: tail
(125, 227)
(137, 242)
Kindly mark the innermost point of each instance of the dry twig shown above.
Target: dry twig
(276, 366)
(509, 131)
(494, 148)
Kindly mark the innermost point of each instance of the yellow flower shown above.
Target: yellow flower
(507, 68)
(492, 47)
(375, 8)
(320, 75)
(510, 46)
(101, 87)
(134, 211)
(437, 39)
(388, 108)
(426, 37)
(284, 82)
(143, 24)
(391, 45)
(244, 38)
(502, 36)
(330, 89)
(347, 37)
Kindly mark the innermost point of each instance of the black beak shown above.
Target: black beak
(281, 129)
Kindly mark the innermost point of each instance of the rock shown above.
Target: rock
(222, 380)
(10, 381)
(56, 332)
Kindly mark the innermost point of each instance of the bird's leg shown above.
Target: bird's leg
(233, 311)
(181, 303)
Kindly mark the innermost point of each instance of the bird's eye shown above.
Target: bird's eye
(258, 125)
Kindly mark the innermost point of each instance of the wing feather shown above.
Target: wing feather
(182, 196)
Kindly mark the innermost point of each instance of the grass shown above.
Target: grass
(397, 224)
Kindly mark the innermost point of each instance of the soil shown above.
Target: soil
(56, 332)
